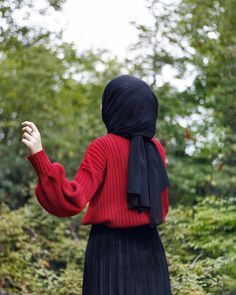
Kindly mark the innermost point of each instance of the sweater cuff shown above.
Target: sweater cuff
(40, 162)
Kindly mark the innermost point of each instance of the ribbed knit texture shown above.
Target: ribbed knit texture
(100, 182)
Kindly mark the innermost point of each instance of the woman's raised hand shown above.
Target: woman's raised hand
(31, 137)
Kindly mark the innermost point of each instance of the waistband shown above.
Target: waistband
(101, 227)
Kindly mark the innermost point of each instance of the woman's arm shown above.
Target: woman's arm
(63, 197)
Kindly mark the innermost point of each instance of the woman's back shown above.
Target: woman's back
(109, 204)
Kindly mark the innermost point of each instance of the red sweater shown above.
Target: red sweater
(100, 181)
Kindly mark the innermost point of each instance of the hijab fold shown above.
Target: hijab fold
(130, 109)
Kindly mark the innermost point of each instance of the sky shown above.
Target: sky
(102, 24)
(105, 24)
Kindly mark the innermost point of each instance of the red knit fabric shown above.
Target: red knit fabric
(100, 182)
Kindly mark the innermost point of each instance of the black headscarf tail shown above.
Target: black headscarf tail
(130, 109)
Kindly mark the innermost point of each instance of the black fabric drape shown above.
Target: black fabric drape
(130, 109)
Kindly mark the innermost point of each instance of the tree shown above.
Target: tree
(53, 85)
(193, 124)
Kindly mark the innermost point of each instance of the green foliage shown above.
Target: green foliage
(196, 125)
(44, 254)
(210, 27)
(200, 246)
(38, 83)
(40, 253)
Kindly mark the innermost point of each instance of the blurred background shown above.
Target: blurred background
(56, 57)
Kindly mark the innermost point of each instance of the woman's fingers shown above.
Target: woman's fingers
(27, 136)
(27, 129)
(31, 124)
(31, 137)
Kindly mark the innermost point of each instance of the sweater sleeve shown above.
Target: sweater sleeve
(61, 196)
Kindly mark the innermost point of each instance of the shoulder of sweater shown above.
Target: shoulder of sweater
(109, 138)
(99, 144)
(104, 144)
(101, 140)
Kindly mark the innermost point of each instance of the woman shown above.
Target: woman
(123, 178)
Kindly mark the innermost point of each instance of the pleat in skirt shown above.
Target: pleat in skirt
(125, 261)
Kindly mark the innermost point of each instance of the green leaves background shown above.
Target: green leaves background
(51, 83)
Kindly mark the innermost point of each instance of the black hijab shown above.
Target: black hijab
(130, 109)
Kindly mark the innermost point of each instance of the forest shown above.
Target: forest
(48, 81)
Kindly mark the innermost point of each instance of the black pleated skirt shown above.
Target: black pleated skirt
(125, 261)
